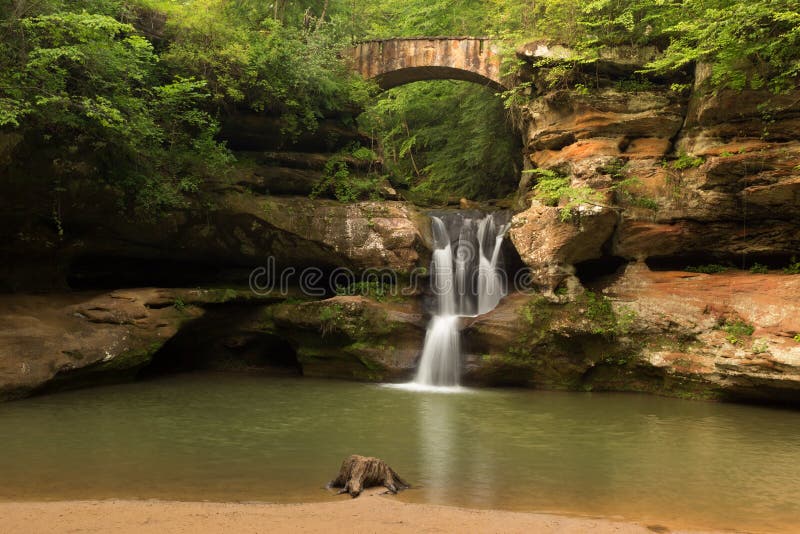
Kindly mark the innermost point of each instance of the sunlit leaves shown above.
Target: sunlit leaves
(445, 138)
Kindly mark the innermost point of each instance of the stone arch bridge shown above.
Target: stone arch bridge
(394, 62)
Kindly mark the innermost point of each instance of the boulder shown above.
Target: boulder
(550, 247)
(355, 337)
(69, 340)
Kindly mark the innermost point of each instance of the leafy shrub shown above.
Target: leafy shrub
(330, 318)
(736, 329)
(625, 189)
(179, 304)
(710, 268)
(581, 89)
(793, 267)
(552, 188)
(686, 161)
(441, 139)
(760, 347)
(344, 185)
(374, 289)
(634, 85)
(757, 268)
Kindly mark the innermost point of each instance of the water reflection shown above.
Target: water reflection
(247, 438)
(437, 439)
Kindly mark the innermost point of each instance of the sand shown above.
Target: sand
(369, 513)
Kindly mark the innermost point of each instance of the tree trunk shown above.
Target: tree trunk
(359, 472)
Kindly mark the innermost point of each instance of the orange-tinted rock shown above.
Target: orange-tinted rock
(547, 244)
(672, 342)
(729, 187)
(648, 147)
(642, 240)
(577, 153)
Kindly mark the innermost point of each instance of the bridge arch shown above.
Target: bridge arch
(395, 62)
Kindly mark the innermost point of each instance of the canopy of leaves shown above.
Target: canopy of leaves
(130, 92)
(748, 43)
(85, 85)
(445, 138)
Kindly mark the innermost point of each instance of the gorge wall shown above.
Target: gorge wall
(677, 175)
(683, 175)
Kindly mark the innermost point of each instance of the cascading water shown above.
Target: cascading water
(467, 281)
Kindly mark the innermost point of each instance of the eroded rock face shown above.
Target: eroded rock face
(549, 246)
(582, 132)
(67, 340)
(665, 332)
(79, 339)
(375, 234)
(710, 175)
(352, 337)
(238, 230)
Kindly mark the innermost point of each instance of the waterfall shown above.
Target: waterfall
(467, 281)
(440, 364)
(442, 269)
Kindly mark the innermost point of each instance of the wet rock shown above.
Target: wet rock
(664, 332)
(352, 337)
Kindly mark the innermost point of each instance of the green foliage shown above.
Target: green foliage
(101, 101)
(757, 268)
(374, 289)
(736, 329)
(516, 95)
(330, 317)
(797, 338)
(554, 189)
(634, 85)
(710, 268)
(339, 181)
(605, 320)
(581, 89)
(179, 304)
(748, 44)
(536, 313)
(86, 85)
(626, 190)
(760, 347)
(441, 139)
(550, 186)
(685, 161)
(793, 267)
(249, 58)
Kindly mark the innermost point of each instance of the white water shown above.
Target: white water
(466, 282)
(440, 364)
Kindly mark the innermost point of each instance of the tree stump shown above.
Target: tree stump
(359, 472)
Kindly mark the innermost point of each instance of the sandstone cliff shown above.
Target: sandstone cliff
(676, 175)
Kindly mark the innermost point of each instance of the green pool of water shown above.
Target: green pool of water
(248, 438)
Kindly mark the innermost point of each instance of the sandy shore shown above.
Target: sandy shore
(370, 513)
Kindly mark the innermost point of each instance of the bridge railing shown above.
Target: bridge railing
(423, 38)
